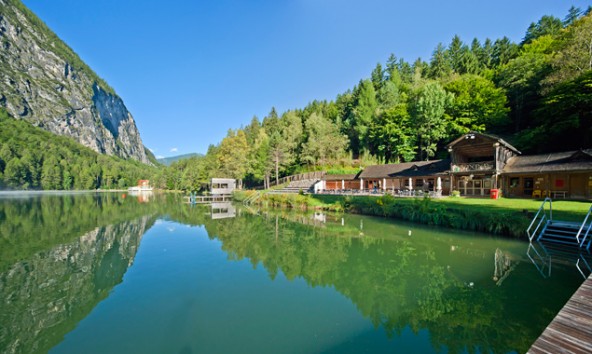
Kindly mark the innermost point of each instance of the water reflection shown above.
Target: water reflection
(222, 210)
(469, 293)
(52, 272)
(61, 256)
(544, 255)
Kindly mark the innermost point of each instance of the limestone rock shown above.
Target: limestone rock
(44, 82)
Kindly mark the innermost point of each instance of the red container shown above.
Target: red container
(494, 193)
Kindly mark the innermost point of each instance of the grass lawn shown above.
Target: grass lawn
(566, 210)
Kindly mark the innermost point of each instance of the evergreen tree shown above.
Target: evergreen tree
(572, 15)
(455, 54)
(377, 77)
(324, 143)
(547, 25)
(440, 66)
(503, 51)
(364, 111)
(15, 174)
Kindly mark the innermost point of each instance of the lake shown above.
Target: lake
(113, 273)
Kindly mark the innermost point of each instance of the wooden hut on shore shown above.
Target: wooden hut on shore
(477, 161)
(478, 164)
(338, 182)
(557, 175)
(419, 175)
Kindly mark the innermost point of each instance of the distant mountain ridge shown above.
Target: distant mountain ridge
(167, 161)
(44, 82)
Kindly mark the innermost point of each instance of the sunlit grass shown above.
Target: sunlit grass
(567, 210)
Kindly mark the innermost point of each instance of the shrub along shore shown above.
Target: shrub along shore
(507, 217)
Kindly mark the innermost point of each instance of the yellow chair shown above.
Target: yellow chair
(536, 193)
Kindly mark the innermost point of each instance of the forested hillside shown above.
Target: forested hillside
(31, 158)
(537, 94)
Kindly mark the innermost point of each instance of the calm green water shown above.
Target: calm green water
(107, 274)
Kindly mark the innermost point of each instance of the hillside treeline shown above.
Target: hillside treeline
(537, 94)
(31, 158)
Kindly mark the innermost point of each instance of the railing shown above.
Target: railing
(541, 217)
(545, 261)
(251, 199)
(299, 177)
(473, 166)
(585, 236)
(588, 268)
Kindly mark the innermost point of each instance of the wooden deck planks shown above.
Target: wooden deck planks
(571, 330)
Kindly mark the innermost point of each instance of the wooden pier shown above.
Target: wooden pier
(571, 330)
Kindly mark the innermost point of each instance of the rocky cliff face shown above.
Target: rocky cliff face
(43, 81)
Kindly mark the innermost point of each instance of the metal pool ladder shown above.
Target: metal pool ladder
(544, 228)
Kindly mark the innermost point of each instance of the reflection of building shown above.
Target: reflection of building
(503, 266)
(223, 210)
(143, 186)
(143, 196)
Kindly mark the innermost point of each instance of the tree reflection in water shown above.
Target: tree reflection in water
(398, 275)
(472, 293)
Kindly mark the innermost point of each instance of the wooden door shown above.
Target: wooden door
(578, 186)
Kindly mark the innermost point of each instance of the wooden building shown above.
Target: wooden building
(477, 161)
(222, 186)
(422, 175)
(558, 175)
(338, 182)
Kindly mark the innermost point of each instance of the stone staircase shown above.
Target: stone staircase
(294, 187)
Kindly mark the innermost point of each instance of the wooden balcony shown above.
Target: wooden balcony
(473, 166)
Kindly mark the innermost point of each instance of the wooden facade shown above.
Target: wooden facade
(339, 182)
(477, 161)
(557, 175)
(393, 178)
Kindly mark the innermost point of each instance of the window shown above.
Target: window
(514, 182)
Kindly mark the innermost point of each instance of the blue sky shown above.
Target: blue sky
(190, 70)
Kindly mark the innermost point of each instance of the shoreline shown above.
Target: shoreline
(59, 192)
(508, 218)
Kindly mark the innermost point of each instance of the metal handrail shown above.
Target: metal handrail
(542, 218)
(582, 227)
(252, 198)
(542, 259)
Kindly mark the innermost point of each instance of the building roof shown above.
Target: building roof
(344, 177)
(569, 161)
(433, 168)
(406, 169)
(471, 136)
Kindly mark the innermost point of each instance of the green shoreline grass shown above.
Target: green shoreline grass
(507, 217)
